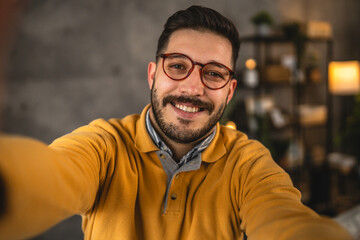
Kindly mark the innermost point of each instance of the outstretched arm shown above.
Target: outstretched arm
(271, 207)
(46, 184)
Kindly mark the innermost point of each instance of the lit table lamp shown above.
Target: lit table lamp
(344, 77)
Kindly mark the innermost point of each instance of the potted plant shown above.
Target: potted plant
(263, 22)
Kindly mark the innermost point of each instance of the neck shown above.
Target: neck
(178, 149)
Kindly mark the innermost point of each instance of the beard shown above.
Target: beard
(179, 133)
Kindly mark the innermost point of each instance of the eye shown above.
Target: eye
(177, 66)
(214, 75)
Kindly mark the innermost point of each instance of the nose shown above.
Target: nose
(193, 85)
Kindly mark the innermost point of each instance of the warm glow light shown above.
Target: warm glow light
(250, 64)
(344, 77)
(231, 124)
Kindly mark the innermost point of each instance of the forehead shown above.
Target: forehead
(201, 46)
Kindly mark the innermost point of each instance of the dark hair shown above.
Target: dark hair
(200, 18)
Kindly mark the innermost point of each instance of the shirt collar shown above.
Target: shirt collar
(162, 146)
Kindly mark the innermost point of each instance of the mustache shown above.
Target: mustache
(186, 99)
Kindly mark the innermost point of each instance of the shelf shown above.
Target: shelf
(288, 95)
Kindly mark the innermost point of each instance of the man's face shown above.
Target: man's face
(186, 111)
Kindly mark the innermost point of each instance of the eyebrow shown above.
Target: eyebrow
(217, 64)
(177, 56)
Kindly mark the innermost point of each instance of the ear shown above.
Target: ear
(232, 84)
(151, 73)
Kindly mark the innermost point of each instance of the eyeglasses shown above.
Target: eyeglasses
(178, 66)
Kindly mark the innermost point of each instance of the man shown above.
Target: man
(170, 173)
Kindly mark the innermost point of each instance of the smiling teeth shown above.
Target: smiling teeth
(187, 109)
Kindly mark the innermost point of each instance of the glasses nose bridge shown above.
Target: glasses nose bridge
(194, 63)
(197, 63)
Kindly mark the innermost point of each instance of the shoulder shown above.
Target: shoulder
(99, 132)
(113, 126)
(247, 155)
(238, 142)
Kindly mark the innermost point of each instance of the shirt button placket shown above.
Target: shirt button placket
(175, 201)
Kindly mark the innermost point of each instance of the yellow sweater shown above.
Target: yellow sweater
(108, 172)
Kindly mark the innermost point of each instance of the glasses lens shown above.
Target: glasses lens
(215, 75)
(177, 66)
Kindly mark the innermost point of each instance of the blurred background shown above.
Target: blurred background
(65, 63)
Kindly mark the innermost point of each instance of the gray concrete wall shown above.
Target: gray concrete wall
(74, 61)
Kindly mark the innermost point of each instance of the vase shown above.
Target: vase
(263, 30)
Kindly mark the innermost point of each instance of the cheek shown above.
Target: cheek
(218, 97)
(163, 84)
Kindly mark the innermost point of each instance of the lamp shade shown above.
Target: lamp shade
(344, 77)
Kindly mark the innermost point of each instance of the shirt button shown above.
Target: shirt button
(162, 156)
(173, 196)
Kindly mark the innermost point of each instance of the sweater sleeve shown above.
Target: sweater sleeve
(46, 184)
(271, 207)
